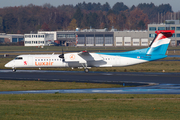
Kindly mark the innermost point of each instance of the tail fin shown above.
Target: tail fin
(160, 43)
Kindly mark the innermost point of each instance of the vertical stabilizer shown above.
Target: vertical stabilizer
(161, 42)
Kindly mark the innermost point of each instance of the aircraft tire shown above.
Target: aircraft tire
(14, 70)
(86, 70)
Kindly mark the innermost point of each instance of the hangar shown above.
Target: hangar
(103, 37)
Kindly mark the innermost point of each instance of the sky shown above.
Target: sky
(6, 3)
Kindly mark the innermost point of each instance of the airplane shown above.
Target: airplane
(86, 60)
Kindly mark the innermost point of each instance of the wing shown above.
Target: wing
(90, 56)
(82, 57)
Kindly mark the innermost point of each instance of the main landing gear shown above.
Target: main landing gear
(86, 70)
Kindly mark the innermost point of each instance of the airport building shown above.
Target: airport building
(11, 38)
(144, 38)
(131, 38)
(102, 37)
(168, 25)
(38, 39)
(91, 37)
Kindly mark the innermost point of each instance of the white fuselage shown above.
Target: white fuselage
(156, 50)
(71, 60)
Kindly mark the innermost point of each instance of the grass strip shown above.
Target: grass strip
(10, 85)
(89, 106)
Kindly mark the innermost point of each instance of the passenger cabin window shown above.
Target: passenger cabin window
(18, 58)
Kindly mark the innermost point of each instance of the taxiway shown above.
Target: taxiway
(147, 83)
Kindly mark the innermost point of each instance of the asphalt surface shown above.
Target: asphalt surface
(136, 77)
(158, 83)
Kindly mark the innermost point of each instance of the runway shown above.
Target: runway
(160, 83)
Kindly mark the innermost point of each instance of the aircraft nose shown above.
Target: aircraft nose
(8, 64)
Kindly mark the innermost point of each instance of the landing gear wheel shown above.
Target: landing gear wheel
(86, 70)
(14, 70)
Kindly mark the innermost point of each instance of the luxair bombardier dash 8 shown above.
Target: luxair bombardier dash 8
(156, 50)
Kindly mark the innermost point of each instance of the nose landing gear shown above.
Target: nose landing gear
(14, 70)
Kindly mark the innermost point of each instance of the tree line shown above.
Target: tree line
(24, 19)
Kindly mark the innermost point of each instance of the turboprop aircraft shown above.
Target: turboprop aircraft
(84, 59)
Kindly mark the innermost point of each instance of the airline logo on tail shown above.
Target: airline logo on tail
(160, 44)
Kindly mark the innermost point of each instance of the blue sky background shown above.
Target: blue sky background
(5, 3)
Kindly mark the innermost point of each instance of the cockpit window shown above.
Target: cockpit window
(18, 58)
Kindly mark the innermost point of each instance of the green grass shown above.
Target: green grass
(89, 107)
(10, 85)
(59, 106)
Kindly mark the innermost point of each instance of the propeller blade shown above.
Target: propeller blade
(62, 55)
(62, 51)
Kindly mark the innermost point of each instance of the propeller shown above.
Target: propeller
(62, 55)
